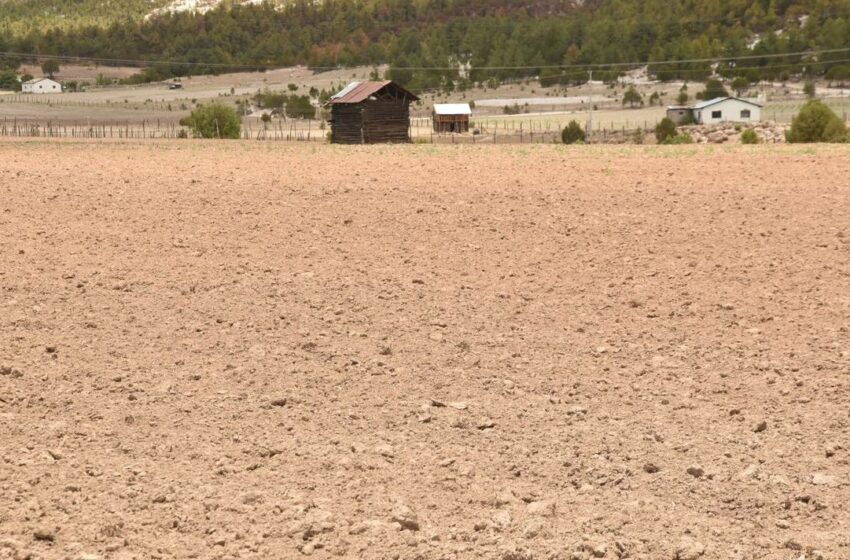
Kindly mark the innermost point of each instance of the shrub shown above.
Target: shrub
(214, 121)
(300, 107)
(817, 123)
(749, 136)
(713, 89)
(683, 138)
(572, 133)
(839, 73)
(9, 80)
(632, 97)
(809, 89)
(638, 136)
(740, 85)
(665, 130)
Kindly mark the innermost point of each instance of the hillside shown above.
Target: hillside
(427, 42)
(22, 16)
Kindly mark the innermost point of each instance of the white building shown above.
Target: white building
(726, 109)
(41, 85)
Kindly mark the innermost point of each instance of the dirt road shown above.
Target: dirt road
(244, 350)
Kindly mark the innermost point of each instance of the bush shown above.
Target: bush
(749, 136)
(816, 123)
(572, 133)
(632, 97)
(9, 80)
(809, 89)
(300, 107)
(665, 130)
(214, 121)
(713, 89)
(638, 136)
(679, 139)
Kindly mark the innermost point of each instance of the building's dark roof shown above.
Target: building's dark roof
(355, 92)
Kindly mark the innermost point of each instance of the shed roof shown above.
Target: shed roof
(716, 100)
(452, 109)
(355, 92)
(36, 80)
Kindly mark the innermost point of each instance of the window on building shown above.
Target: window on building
(745, 113)
(717, 114)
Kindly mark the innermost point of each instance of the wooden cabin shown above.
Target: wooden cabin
(371, 113)
(451, 117)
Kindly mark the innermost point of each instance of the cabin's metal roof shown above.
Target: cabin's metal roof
(452, 109)
(704, 104)
(355, 92)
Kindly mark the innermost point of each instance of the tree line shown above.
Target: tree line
(452, 44)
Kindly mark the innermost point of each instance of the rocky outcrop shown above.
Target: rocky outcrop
(768, 133)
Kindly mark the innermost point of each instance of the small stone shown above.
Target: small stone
(782, 524)
(50, 349)
(502, 519)
(695, 471)
(791, 544)
(54, 454)
(760, 427)
(486, 424)
(689, 549)
(44, 534)
(279, 402)
(651, 468)
(821, 479)
(750, 472)
(532, 529)
(406, 517)
(385, 450)
(251, 498)
(599, 551)
(543, 508)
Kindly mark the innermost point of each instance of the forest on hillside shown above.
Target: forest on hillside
(453, 43)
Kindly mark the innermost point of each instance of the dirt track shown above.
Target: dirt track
(262, 351)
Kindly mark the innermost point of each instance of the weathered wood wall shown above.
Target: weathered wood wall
(451, 123)
(371, 122)
(347, 123)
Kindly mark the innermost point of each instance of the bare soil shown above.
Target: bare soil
(243, 350)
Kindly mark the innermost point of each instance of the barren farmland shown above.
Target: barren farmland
(245, 350)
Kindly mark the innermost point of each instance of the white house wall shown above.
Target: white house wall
(42, 86)
(730, 111)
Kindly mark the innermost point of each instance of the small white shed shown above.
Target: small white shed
(41, 85)
(726, 109)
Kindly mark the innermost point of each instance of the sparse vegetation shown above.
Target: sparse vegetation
(214, 121)
(632, 97)
(665, 130)
(817, 123)
(572, 133)
(749, 136)
(713, 89)
(809, 89)
(740, 85)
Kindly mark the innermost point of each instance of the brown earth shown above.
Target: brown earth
(245, 350)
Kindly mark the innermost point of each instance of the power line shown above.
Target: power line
(437, 68)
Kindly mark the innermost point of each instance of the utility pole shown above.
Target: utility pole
(589, 127)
